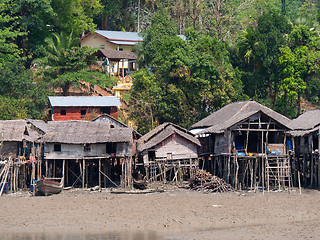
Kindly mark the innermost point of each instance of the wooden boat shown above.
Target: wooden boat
(48, 186)
(140, 184)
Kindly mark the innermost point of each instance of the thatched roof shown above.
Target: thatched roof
(305, 123)
(12, 130)
(162, 132)
(234, 113)
(105, 117)
(80, 132)
(17, 131)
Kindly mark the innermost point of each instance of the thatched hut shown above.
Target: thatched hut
(89, 150)
(243, 130)
(306, 134)
(18, 139)
(168, 147)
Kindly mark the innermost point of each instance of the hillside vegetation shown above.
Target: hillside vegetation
(233, 50)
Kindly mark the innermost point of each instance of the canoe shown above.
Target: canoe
(48, 187)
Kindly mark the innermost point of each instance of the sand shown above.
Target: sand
(173, 214)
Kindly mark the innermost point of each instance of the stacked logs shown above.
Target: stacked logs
(204, 181)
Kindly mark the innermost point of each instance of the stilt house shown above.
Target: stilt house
(20, 153)
(305, 130)
(18, 138)
(238, 138)
(306, 134)
(86, 150)
(168, 147)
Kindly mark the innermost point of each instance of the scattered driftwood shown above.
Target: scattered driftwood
(204, 181)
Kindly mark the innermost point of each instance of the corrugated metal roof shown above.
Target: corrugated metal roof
(117, 35)
(183, 37)
(84, 101)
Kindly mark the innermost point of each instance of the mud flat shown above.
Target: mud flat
(173, 214)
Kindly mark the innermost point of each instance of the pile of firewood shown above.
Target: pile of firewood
(204, 181)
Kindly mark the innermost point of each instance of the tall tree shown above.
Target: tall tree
(223, 17)
(62, 56)
(75, 16)
(259, 55)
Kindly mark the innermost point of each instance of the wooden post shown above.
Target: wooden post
(33, 177)
(299, 182)
(54, 168)
(11, 178)
(99, 173)
(67, 172)
(47, 168)
(304, 170)
(63, 172)
(236, 173)
(83, 172)
(312, 168)
(262, 170)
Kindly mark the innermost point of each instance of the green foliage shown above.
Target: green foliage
(20, 96)
(75, 16)
(68, 79)
(145, 99)
(9, 32)
(160, 30)
(11, 108)
(63, 62)
(190, 79)
(258, 56)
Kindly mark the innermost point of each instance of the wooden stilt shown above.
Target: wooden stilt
(304, 170)
(83, 172)
(99, 173)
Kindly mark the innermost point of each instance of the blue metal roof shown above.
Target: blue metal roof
(84, 101)
(122, 36)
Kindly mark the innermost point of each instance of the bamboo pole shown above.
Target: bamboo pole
(99, 173)
(2, 184)
(83, 172)
(299, 182)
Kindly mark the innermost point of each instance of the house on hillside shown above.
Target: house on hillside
(168, 148)
(306, 134)
(111, 40)
(92, 152)
(241, 136)
(82, 107)
(115, 49)
(117, 63)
